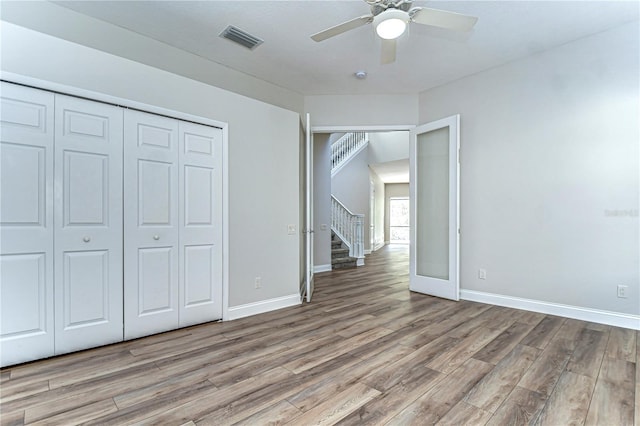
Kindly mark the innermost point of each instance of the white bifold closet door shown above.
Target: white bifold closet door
(26, 224)
(173, 223)
(88, 224)
(150, 224)
(200, 233)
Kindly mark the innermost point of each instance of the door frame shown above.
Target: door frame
(308, 214)
(346, 129)
(128, 103)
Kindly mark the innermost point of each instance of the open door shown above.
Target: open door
(434, 200)
(308, 226)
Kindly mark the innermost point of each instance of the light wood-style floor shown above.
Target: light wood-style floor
(365, 351)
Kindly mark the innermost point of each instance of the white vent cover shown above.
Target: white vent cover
(243, 38)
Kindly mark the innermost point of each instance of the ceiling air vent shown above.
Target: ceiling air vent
(237, 35)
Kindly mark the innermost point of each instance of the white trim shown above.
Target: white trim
(616, 319)
(360, 261)
(321, 268)
(225, 223)
(341, 129)
(366, 252)
(127, 103)
(255, 308)
(378, 245)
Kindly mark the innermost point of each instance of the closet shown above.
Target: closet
(110, 223)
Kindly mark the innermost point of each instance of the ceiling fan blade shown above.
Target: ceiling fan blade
(342, 28)
(443, 19)
(388, 51)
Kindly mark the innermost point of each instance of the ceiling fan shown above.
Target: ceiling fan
(390, 19)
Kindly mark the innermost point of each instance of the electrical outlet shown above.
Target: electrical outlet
(258, 282)
(482, 274)
(622, 291)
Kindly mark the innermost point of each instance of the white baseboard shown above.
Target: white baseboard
(255, 308)
(367, 252)
(378, 245)
(616, 319)
(321, 268)
(360, 261)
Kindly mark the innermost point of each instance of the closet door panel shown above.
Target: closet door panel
(88, 225)
(151, 224)
(26, 224)
(200, 223)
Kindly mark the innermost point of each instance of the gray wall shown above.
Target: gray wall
(362, 110)
(550, 153)
(392, 190)
(263, 149)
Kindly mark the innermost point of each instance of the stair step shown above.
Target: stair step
(339, 260)
(340, 254)
(344, 265)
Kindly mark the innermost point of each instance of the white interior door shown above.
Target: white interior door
(309, 213)
(434, 188)
(150, 224)
(88, 224)
(200, 230)
(26, 224)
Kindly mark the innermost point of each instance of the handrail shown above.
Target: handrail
(349, 228)
(345, 147)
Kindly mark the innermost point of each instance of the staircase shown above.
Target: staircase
(340, 258)
(347, 244)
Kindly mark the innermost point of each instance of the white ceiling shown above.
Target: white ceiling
(392, 171)
(426, 57)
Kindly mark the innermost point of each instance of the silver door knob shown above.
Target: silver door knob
(86, 239)
(156, 237)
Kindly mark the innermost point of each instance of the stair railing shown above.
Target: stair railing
(349, 228)
(346, 147)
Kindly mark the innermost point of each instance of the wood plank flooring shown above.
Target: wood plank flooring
(365, 351)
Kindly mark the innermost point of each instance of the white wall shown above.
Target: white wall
(351, 187)
(322, 198)
(550, 148)
(58, 21)
(392, 190)
(388, 146)
(362, 110)
(379, 210)
(263, 149)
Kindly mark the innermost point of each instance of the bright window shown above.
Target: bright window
(399, 220)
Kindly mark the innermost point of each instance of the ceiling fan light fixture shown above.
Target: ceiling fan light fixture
(391, 23)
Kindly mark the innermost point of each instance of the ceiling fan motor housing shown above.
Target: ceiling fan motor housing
(379, 6)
